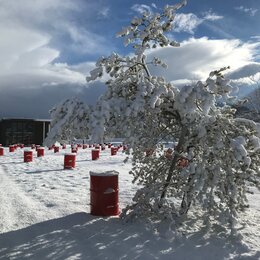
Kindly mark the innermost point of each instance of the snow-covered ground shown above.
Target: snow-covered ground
(45, 214)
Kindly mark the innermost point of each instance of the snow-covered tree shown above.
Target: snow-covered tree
(217, 155)
(69, 120)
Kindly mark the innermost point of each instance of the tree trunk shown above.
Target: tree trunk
(177, 152)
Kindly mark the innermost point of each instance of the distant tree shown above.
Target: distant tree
(69, 120)
(217, 155)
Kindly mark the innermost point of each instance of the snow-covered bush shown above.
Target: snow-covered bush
(222, 151)
(69, 120)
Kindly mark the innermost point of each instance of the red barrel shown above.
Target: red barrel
(28, 156)
(114, 150)
(40, 151)
(11, 148)
(74, 149)
(104, 193)
(69, 161)
(1, 151)
(56, 149)
(95, 154)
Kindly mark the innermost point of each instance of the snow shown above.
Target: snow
(45, 214)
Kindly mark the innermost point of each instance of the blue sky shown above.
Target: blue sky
(47, 47)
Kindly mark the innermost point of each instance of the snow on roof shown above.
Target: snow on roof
(24, 118)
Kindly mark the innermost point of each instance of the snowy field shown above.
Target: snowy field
(45, 214)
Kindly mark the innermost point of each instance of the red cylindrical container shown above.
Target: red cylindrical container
(37, 146)
(149, 152)
(22, 146)
(104, 193)
(11, 148)
(74, 149)
(56, 149)
(40, 151)
(28, 156)
(1, 151)
(69, 161)
(95, 154)
(114, 150)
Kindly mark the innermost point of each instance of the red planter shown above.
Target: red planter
(11, 148)
(28, 156)
(56, 149)
(1, 151)
(95, 154)
(114, 150)
(40, 151)
(104, 193)
(69, 161)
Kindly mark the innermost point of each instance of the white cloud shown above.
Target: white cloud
(197, 57)
(250, 11)
(256, 37)
(104, 12)
(210, 16)
(28, 55)
(141, 8)
(186, 22)
(154, 5)
(28, 32)
(189, 22)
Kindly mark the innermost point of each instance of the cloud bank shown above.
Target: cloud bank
(36, 36)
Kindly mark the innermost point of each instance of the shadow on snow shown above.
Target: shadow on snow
(83, 236)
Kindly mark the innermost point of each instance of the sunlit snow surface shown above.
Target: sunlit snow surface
(45, 214)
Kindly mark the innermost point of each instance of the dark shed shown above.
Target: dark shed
(23, 131)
